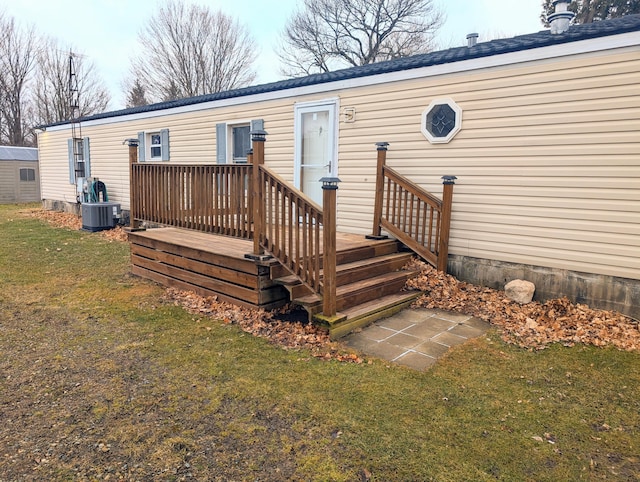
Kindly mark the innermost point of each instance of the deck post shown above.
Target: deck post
(377, 209)
(257, 159)
(329, 192)
(447, 198)
(133, 159)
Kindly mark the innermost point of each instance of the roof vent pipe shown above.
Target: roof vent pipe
(560, 20)
(472, 40)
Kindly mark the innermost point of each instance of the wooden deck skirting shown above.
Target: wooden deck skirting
(209, 265)
(215, 265)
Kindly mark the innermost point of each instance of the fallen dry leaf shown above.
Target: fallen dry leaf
(534, 325)
(71, 221)
(265, 324)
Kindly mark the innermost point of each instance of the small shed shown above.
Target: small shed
(19, 175)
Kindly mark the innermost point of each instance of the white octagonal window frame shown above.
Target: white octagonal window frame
(435, 139)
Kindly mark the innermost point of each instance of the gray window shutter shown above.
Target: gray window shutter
(257, 125)
(72, 166)
(164, 142)
(221, 143)
(87, 157)
(141, 147)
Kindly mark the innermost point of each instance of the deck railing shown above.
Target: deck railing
(415, 217)
(209, 198)
(246, 201)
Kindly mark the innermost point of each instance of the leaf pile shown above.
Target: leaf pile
(57, 219)
(71, 221)
(534, 325)
(265, 324)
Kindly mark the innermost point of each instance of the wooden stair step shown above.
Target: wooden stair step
(366, 313)
(353, 294)
(371, 267)
(376, 248)
(357, 270)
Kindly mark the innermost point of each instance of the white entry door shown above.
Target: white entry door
(315, 146)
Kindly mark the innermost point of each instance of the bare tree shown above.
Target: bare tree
(328, 34)
(188, 50)
(52, 90)
(17, 59)
(588, 11)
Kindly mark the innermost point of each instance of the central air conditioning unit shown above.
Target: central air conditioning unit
(100, 216)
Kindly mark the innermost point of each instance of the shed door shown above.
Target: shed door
(316, 133)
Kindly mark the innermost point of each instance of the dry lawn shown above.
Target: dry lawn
(104, 376)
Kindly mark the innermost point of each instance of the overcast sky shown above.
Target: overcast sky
(106, 31)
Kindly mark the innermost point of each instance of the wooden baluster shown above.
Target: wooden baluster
(379, 194)
(447, 198)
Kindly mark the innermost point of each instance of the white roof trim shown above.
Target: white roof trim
(630, 39)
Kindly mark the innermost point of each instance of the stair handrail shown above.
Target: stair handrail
(294, 229)
(412, 215)
(291, 228)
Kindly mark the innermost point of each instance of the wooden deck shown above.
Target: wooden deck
(215, 265)
(342, 280)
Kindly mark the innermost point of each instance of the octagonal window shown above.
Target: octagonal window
(441, 120)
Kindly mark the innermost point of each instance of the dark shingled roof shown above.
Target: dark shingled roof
(544, 38)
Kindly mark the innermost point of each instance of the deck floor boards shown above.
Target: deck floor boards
(235, 247)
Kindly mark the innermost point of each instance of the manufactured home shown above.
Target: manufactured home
(541, 133)
(19, 175)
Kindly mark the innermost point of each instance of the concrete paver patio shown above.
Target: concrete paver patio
(416, 338)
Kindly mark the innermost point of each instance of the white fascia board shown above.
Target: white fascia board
(581, 47)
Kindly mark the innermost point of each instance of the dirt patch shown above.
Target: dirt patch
(534, 325)
(84, 399)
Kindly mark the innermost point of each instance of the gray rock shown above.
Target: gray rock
(520, 291)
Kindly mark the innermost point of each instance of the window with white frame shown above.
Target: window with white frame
(233, 140)
(441, 121)
(153, 145)
(240, 142)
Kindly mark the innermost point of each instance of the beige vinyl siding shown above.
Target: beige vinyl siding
(548, 160)
(54, 167)
(192, 139)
